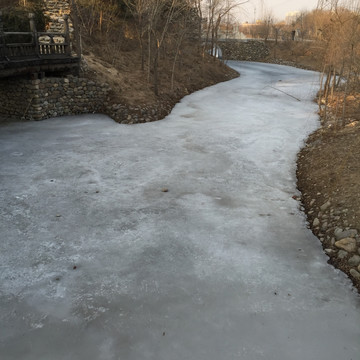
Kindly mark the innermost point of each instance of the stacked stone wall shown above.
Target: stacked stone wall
(15, 98)
(136, 114)
(55, 10)
(244, 50)
(24, 99)
(49, 97)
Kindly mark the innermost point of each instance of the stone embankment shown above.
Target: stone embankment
(131, 114)
(244, 50)
(342, 244)
(70, 95)
(50, 97)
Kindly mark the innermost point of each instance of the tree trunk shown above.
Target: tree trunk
(156, 75)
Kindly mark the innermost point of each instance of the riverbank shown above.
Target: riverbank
(328, 174)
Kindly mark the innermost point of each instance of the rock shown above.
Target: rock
(329, 251)
(316, 222)
(342, 254)
(347, 244)
(324, 226)
(354, 260)
(341, 234)
(353, 232)
(325, 206)
(355, 274)
(312, 202)
(337, 232)
(359, 268)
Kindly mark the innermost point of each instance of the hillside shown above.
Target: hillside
(133, 92)
(151, 57)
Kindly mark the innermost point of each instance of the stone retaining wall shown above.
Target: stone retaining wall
(244, 50)
(49, 97)
(24, 99)
(56, 9)
(136, 114)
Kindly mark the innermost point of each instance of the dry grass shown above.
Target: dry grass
(119, 64)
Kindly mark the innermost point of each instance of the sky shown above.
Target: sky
(279, 8)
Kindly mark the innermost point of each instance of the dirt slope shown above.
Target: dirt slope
(133, 87)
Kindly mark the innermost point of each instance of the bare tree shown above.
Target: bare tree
(217, 10)
(97, 15)
(266, 25)
(140, 10)
(341, 43)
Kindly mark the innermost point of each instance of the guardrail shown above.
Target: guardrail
(37, 45)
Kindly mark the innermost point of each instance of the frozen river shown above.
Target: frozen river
(173, 240)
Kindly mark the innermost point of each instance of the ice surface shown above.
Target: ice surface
(220, 267)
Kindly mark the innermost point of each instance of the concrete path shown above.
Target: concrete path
(99, 261)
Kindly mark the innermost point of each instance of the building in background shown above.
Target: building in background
(291, 17)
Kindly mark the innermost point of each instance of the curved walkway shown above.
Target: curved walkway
(171, 240)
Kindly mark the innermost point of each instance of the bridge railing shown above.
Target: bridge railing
(33, 44)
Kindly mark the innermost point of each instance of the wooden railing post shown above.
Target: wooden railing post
(52, 45)
(67, 35)
(1, 24)
(2, 36)
(34, 33)
(32, 23)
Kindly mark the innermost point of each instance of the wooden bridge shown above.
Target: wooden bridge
(36, 52)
